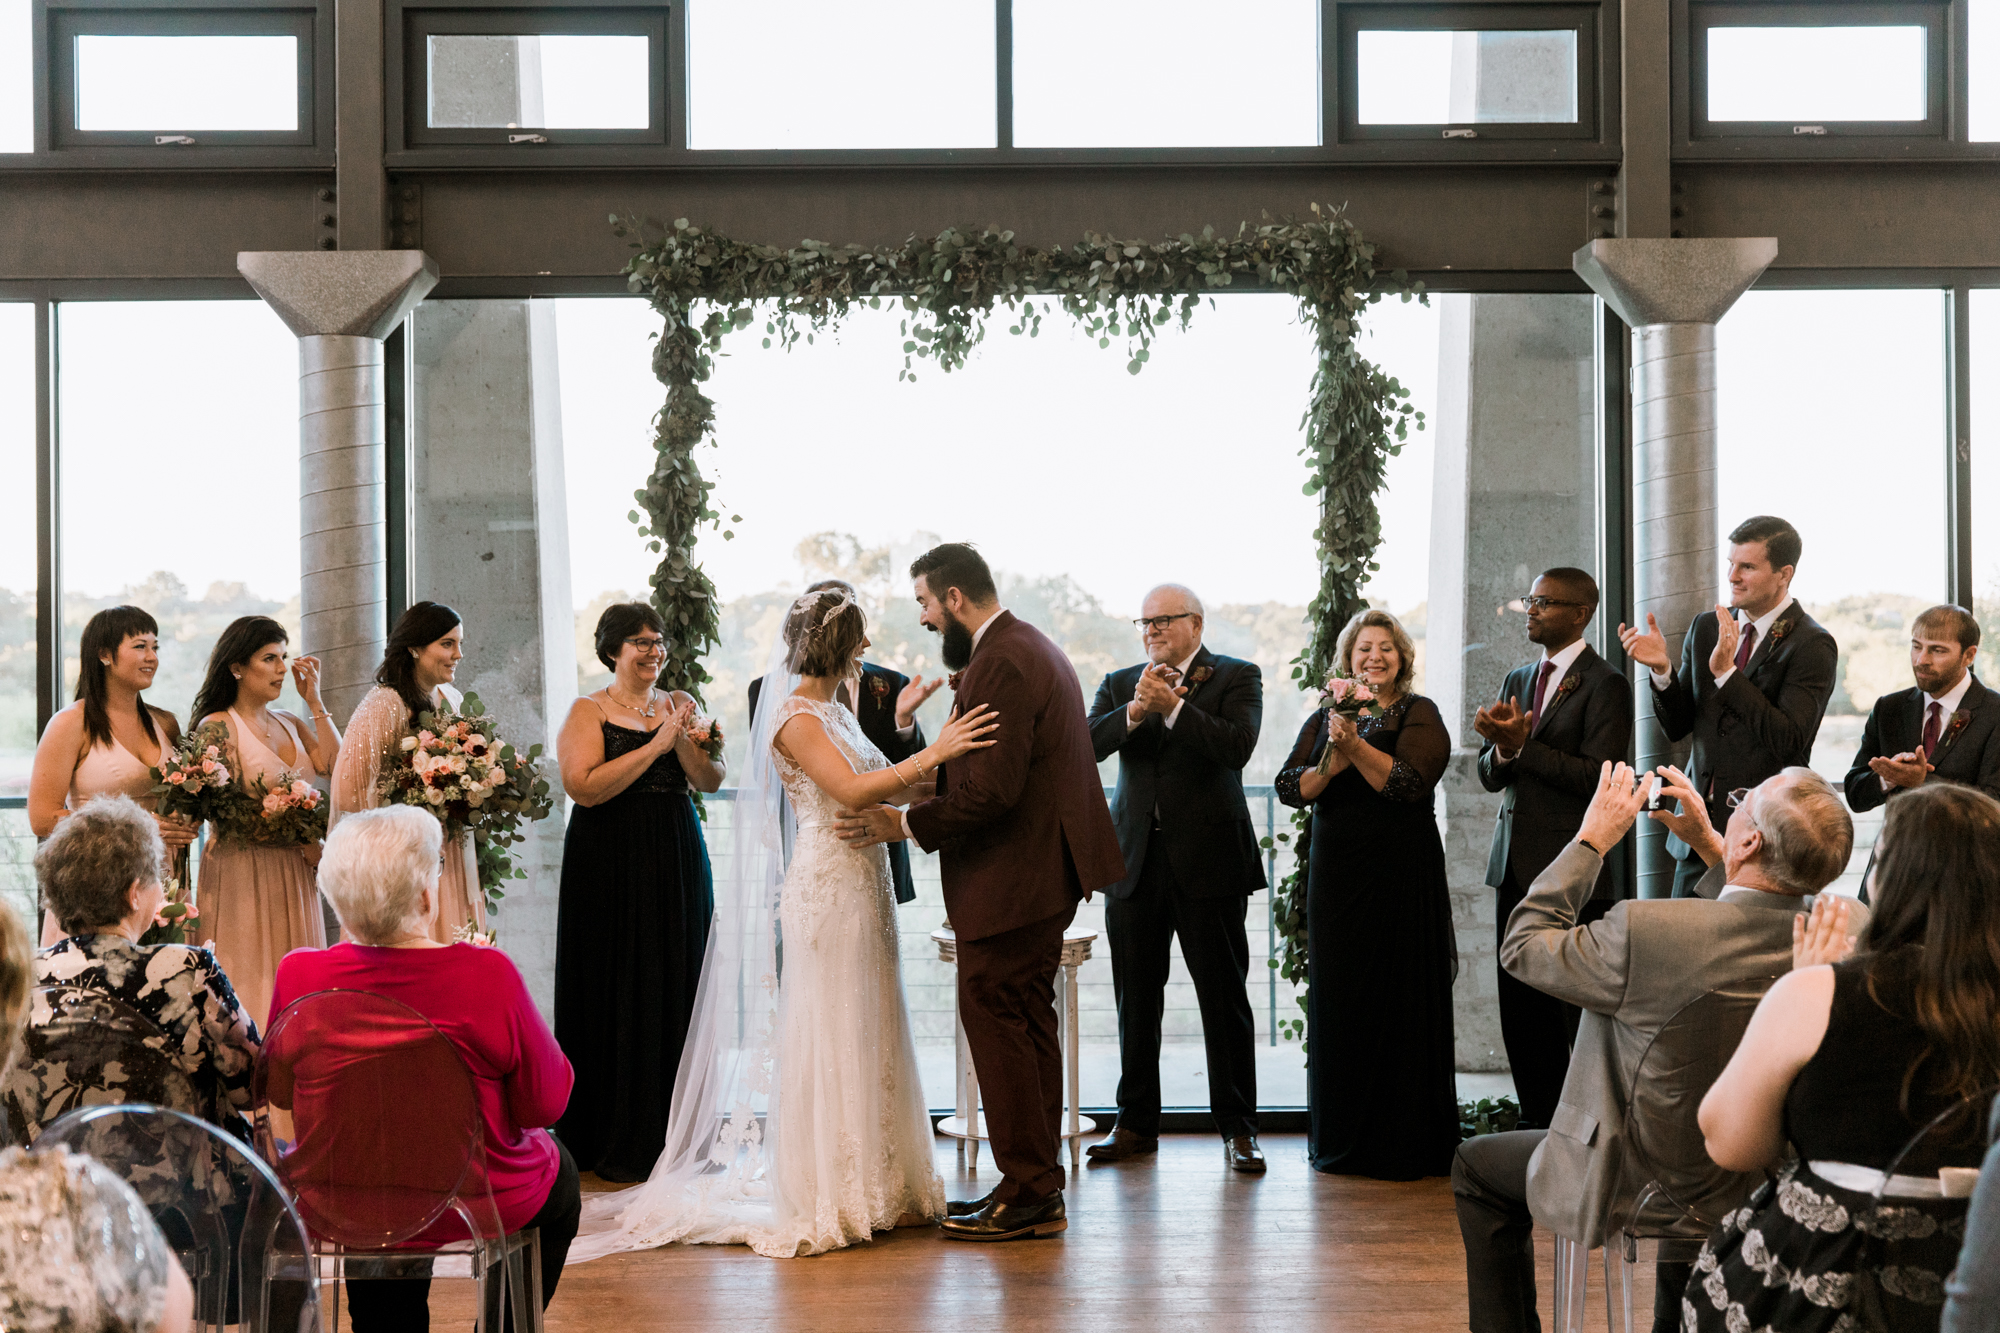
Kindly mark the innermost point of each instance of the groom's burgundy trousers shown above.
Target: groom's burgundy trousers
(1007, 999)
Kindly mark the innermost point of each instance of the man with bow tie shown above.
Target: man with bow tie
(1557, 722)
(1183, 724)
(1946, 728)
(1754, 678)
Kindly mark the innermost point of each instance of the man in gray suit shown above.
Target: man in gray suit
(1630, 972)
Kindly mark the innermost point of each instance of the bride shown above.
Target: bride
(798, 1122)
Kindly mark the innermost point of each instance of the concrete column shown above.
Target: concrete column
(341, 305)
(1513, 493)
(1671, 293)
(491, 538)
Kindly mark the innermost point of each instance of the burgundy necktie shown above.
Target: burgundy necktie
(1747, 646)
(1541, 689)
(1933, 725)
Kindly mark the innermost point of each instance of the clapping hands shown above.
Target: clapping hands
(1822, 935)
(1505, 725)
(1158, 691)
(1908, 769)
(1650, 648)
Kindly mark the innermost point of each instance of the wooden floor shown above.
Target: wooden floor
(1169, 1243)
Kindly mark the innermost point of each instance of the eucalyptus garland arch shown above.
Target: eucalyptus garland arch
(705, 286)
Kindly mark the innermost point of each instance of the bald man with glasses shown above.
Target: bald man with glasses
(1183, 723)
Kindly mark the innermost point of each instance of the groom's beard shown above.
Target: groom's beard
(957, 645)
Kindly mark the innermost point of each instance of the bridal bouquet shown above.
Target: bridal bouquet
(194, 781)
(707, 733)
(457, 767)
(1352, 699)
(289, 812)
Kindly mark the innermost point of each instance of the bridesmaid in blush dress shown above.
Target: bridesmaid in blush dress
(260, 903)
(108, 739)
(636, 899)
(1380, 953)
(415, 677)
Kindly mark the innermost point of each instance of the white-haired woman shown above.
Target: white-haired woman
(77, 1248)
(380, 872)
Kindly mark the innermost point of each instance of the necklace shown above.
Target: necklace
(648, 711)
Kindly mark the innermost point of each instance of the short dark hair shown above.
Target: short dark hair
(1781, 539)
(955, 565)
(620, 621)
(1577, 580)
(106, 632)
(1948, 619)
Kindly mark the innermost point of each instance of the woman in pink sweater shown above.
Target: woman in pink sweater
(380, 872)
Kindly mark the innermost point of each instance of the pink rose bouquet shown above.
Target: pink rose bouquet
(1351, 699)
(195, 781)
(707, 733)
(287, 812)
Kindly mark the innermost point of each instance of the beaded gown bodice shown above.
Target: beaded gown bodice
(663, 777)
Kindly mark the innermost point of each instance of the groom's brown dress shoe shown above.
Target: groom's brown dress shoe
(1243, 1154)
(1010, 1221)
(967, 1207)
(1122, 1144)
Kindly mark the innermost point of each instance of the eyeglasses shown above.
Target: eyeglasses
(1160, 622)
(1543, 603)
(1740, 800)
(646, 646)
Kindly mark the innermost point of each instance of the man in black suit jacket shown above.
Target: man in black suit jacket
(1752, 688)
(1556, 723)
(885, 704)
(1946, 728)
(1183, 724)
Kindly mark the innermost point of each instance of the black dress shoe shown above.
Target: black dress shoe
(967, 1207)
(1010, 1221)
(1122, 1144)
(1243, 1154)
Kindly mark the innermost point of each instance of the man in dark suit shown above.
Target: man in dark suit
(1023, 833)
(1557, 722)
(886, 703)
(1183, 724)
(1946, 728)
(1752, 687)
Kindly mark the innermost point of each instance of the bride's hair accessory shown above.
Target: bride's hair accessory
(822, 631)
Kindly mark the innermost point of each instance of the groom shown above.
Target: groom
(1024, 833)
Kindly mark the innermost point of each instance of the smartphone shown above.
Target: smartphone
(1653, 793)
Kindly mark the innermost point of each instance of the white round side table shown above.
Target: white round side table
(967, 1126)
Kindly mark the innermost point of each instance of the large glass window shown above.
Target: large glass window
(778, 74)
(17, 78)
(1445, 77)
(557, 81)
(1083, 485)
(188, 505)
(1816, 74)
(209, 82)
(1986, 476)
(1982, 87)
(18, 583)
(1834, 433)
(1072, 91)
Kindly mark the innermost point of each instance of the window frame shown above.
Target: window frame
(408, 87)
(1584, 17)
(1931, 15)
(59, 143)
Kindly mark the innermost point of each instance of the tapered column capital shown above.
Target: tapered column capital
(1673, 281)
(357, 293)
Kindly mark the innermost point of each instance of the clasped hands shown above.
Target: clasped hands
(1159, 691)
(1908, 769)
(1505, 725)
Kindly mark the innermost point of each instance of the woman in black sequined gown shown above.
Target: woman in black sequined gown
(633, 915)
(1380, 951)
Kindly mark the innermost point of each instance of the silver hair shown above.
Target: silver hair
(1807, 828)
(1188, 599)
(376, 867)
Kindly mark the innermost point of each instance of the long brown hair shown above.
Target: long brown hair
(416, 629)
(1937, 887)
(106, 632)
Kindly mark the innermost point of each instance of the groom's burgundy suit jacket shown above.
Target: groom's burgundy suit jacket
(1023, 825)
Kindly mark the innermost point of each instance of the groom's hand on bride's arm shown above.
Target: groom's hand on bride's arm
(865, 828)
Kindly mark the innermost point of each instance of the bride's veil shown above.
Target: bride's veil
(714, 1168)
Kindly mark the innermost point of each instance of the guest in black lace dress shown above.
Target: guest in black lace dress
(1853, 1063)
(636, 899)
(1380, 951)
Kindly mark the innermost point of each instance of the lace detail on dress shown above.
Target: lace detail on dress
(664, 776)
(77, 1248)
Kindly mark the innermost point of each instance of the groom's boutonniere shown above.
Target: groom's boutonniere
(951, 681)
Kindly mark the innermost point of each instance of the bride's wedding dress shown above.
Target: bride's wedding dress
(843, 1146)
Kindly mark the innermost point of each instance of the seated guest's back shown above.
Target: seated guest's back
(1631, 972)
(1850, 1062)
(100, 875)
(78, 1251)
(380, 872)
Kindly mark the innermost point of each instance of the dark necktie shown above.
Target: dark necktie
(1747, 646)
(1541, 690)
(1933, 726)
